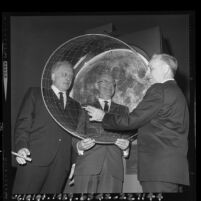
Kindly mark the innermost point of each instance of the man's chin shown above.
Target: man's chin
(65, 88)
(108, 94)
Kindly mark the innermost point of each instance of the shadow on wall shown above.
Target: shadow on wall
(181, 79)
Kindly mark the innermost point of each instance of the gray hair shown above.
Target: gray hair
(60, 63)
(169, 60)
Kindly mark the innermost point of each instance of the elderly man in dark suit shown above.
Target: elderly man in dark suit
(38, 136)
(162, 119)
(99, 167)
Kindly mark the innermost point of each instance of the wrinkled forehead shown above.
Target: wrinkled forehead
(65, 68)
(105, 78)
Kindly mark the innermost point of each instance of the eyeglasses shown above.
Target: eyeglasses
(105, 82)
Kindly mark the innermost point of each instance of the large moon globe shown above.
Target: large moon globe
(91, 55)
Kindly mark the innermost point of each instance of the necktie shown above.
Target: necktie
(61, 100)
(106, 107)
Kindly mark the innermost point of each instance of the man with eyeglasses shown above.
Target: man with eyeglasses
(99, 167)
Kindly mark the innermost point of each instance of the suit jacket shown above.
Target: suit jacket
(92, 161)
(163, 121)
(36, 130)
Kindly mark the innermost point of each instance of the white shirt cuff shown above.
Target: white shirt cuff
(80, 152)
(126, 152)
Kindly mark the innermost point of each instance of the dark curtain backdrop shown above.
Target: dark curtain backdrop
(34, 38)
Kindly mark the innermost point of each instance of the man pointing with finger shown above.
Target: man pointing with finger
(162, 120)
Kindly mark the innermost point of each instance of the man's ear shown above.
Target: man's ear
(166, 69)
(53, 76)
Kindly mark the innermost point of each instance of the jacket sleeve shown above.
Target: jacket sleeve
(73, 155)
(81, 129)
(143, 113)
(24, 121)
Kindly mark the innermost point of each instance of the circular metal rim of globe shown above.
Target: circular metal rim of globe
(73, 133)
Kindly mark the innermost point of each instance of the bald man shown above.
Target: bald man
(162, 120)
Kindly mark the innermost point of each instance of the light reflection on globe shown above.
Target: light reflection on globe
(91, 55)
(126, 67)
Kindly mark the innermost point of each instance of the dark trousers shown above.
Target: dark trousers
(160, 187)
(101, 183)
(32, 179)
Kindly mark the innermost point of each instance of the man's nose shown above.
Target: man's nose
(107, 87)
(67, 79)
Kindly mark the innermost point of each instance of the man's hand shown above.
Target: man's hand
(94, 113)
(71, 176)
(24, 152)
(85, 144)
(123, 144)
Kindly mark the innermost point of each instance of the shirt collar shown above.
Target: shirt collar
(167, 80)
(56, 90)
(103, 100)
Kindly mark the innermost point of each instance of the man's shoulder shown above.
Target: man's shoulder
(119, 106)
(156, 88)
(74, 102)
(172, 90)
(170, 85)
(33, 91)
(34, 88)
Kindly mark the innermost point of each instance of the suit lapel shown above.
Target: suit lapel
(113, 107)
(56, 100)
(97, 104)
(68, 101)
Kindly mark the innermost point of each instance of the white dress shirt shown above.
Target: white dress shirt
(102, 103)
(57, 91)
